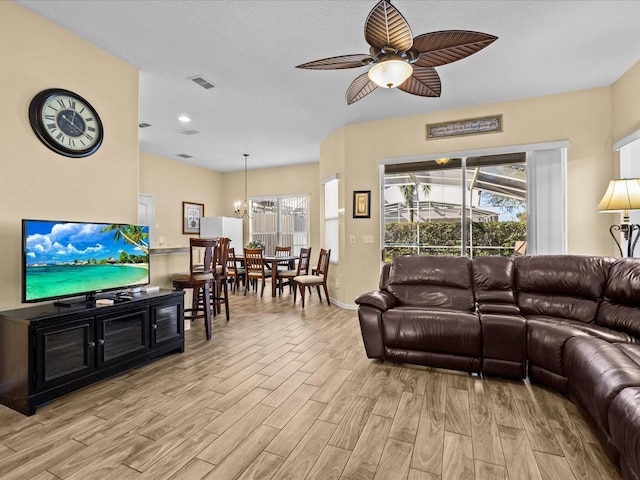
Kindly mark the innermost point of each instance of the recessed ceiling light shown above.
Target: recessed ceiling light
(184, 118)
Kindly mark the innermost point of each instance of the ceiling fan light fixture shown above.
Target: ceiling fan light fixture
(390, 73)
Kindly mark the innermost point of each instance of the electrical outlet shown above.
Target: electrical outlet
(336, 284)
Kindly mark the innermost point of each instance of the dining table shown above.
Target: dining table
(273, 261)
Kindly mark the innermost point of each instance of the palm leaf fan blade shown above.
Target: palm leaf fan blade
(360, 88)
(424, 82)
(386, 27)
(441, 48)
(338, 63)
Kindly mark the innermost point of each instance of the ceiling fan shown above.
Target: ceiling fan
(398, 59)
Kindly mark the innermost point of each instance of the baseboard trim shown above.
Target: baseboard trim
(345, 306)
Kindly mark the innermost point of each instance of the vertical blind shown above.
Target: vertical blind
(331, 217)
(281, 220)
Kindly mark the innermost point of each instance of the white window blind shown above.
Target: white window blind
(331, 217)
(280, 220)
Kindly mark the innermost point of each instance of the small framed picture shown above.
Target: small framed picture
(191, 215)
(362, 204)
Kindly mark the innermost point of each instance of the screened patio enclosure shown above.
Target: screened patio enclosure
(467, 206)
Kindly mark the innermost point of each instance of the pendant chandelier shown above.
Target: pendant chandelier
(244, 213)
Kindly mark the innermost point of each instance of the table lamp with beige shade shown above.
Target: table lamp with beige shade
(622, 195)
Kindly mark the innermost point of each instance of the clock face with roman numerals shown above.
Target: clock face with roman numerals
(65, 122)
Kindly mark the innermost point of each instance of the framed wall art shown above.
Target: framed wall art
(362, 204)
(191, 215)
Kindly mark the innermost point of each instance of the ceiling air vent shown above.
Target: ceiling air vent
(143, 125)
(202, 82)
(183, 155)
(189, 132)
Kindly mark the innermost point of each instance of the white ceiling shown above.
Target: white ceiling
(278, 114)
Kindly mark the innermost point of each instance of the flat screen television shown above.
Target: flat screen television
(70, 259)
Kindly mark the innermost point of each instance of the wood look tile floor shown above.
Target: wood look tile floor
(286, 393)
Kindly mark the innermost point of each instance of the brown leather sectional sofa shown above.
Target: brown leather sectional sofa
(569, 322)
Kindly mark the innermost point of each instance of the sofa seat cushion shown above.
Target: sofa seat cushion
(546, 338)
(422, 329)
(624, 426)
(597, 371)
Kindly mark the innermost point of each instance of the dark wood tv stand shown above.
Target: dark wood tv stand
(47, 351)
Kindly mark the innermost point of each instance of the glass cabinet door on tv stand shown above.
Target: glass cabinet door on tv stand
(121, 336)
(166, 324)
(64, 353)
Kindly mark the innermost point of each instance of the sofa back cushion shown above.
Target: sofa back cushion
(493, 279)
(432, 281)
(563, 286)
(620, 309)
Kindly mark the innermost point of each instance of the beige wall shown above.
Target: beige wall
(626, 104)
(583, 118)
(36, 182)
(333, 156)
(173, 182)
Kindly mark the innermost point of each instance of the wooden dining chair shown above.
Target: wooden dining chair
(235, 272)
(199, 279)
(281, 251)
(315, 280)
(255, 268)
(285, 276)
(220, 296)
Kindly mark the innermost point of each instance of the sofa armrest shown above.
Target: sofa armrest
(379, 299)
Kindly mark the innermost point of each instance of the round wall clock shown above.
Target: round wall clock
(65, 122)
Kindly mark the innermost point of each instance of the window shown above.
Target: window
(460, 206)
(629, 168)
(280, 220)
(331, 216)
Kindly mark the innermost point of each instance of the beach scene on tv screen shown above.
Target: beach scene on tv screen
(68, 258)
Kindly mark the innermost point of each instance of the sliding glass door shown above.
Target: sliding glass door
(460, 206)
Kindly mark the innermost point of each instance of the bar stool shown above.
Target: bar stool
(220, 291)
(199, 278)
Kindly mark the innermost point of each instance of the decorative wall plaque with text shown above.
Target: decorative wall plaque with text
(471, 126)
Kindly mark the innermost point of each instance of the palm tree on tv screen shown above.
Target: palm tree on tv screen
(134, 234)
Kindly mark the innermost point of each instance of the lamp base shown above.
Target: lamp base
(628, 230)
